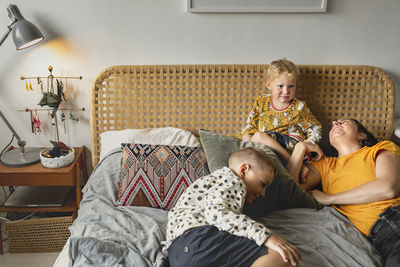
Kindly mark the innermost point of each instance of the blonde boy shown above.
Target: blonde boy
(278, 119)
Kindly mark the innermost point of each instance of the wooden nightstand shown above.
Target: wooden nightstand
(37, 175)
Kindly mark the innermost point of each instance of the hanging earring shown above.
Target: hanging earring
(63, 121)
(36, 123)
(38, 129)
(32, 121)
(67, 91)
(62, 91)
(73, 117)
(53, 120)
(40, 82)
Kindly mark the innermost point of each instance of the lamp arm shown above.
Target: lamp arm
(8, 31)
(21, 143)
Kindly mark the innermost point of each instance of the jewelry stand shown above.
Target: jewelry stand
(50, 89)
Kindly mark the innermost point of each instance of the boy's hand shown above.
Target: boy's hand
(247, 137)
(284, 248)
(313, 151)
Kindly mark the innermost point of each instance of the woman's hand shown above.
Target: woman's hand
(321, 197)
(287, 251)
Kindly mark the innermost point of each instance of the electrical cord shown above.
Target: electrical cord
(10, 221)
(4, 219)
(5, 194)
(4, 191)
(7, 146)
(26, 217)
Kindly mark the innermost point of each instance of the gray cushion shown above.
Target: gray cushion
(283, 193)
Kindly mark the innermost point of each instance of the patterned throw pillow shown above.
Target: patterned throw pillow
(156, 175)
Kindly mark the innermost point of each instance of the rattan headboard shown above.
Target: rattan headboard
(219, 97)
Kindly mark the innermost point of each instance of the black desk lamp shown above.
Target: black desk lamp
(25, 35)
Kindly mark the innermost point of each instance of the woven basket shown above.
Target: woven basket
(38, 235)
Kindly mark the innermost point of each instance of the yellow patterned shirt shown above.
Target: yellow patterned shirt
(296, 120)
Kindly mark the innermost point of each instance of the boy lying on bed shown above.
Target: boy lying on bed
(207, 228)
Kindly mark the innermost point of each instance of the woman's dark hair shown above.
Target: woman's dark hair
(371, 140)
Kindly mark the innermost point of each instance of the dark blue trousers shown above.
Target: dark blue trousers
(207, 246)
(385, 236)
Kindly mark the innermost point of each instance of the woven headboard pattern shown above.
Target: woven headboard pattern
(219, 97)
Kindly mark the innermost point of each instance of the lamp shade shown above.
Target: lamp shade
(24, 33)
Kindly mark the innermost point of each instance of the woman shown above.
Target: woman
(363, 183)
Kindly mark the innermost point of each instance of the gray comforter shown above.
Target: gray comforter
(105, 235)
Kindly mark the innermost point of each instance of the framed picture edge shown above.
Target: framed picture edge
(266, 8)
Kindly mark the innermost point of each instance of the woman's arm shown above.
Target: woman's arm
(385, 186)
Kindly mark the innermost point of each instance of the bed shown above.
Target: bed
(171, 103)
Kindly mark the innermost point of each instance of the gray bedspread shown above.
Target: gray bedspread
(105, 235)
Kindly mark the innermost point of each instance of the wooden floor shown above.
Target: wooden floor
(25, 260)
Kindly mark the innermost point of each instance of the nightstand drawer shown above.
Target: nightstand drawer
(57, 179)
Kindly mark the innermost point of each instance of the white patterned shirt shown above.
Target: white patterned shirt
(216, 199)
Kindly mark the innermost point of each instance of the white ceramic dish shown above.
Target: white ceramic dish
(58, 162)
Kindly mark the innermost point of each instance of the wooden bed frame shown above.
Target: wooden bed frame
(219, 97)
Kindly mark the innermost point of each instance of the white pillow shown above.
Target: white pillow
(154, 136)
(397, 127)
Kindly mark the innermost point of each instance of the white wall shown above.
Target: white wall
(84, 37)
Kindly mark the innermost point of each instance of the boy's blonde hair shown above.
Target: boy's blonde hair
(253, 156)
(282, 66)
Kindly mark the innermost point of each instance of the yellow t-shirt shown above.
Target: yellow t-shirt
(351, 171)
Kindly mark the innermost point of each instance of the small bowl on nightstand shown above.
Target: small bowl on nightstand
(57, 162)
